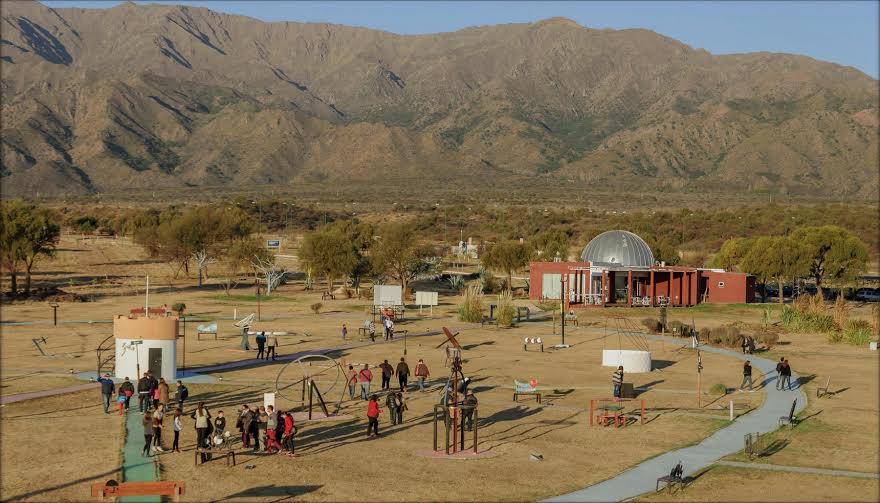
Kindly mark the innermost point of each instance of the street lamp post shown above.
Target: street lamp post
(137, 356)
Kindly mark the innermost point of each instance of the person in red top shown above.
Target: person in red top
(287, 437)
(373, 412)
(364, 377)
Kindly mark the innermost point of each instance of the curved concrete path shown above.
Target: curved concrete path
(642, 478)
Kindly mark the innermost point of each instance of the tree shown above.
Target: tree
(238, 255)
(273, 274)
(13, 223)
(329, 253)
(546, 245)
(836, 256)
(731, 253)
(506, 256)
(28, 232)
(202, 260)
(399, 254)
(777, 258)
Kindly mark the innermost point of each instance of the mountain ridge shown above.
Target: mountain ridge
(162, 95)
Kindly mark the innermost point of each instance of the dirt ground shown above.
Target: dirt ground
(337, 462)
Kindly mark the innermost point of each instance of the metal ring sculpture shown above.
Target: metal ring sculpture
(324, 371)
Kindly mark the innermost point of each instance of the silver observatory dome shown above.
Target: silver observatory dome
(618, 248)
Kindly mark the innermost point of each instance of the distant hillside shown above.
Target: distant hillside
(161, 96)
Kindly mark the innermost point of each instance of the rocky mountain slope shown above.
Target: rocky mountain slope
(161, 96)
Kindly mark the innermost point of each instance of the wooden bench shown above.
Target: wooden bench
(206, 330)
(823, 390)
(228, 453)
(522, 388)
(113, 489)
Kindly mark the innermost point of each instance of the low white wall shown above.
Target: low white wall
(127, 356)
(635, 362)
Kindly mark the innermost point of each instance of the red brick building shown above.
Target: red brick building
(617, 268)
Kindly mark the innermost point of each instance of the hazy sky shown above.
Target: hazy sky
(842, 32)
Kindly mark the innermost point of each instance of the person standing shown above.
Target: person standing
(352, 380)
(262, 420)
(786, 375)
(163, 392)
(401, 406)
(203, 419)
(751, 345)
(373, 412)
(261, 344)
(387, 372)
(181, 394)
(178, 415)
(365, 377)
(747, 376)
(271, 426)
(470, 399)
(402, 373)
(617, 381)
(372, 329)
(389, 329)
(289, 433)
(220, 423)
(391, 405)
(144, 390)
(344, 332)
(779, 374)
(745, 344)
(107, 389)
(244, 425)
(127, 389)
(273, 343)
(422, 374)
(147, 423)
(158, 420)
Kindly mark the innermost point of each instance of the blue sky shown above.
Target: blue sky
(842, 32)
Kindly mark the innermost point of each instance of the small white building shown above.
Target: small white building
(144, 343)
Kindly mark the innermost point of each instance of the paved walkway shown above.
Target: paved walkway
(799, 469)
(642, 478)
(49, 392)
(135, 466)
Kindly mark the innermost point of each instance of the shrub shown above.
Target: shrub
(768, 339)
(834, 336)
(678, 328)
(652, 325)
(316, 307)
(548, 305)
(505, 312)
(718, 389)
(857, 332)
(841, 312)
(456, 283)
(471, 308)
(806, 319)
(178, 307)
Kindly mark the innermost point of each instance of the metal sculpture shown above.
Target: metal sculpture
(315, 374)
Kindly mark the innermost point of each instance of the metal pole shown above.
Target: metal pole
(257, 284)
(184, 344)
(404, 342)
(311, 392)
(476, 427)
(563, 293)
(699, 379)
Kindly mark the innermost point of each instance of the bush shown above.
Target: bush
(456, 283)
(471, 308)
(548, 305)
(768, 339)
(505, 312)
(857, 332)
(653, 326)
(725, 336)
(316, 307)
(678, 328)
(806, 319)
(178, 307)
(718, 389)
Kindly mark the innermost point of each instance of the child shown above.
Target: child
(175, 447)
(401, 406)
(391, 403)
(148, 433)
(373, 412)
(121, 399)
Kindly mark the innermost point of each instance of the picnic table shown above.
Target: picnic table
(610, 412)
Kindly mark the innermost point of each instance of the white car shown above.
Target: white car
(868, 295)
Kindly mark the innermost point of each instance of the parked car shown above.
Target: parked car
(867, 295)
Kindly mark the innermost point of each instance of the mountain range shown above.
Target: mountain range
(152, 96)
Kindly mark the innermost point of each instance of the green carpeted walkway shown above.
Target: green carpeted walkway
(135, 466)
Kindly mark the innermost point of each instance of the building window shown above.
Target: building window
(720, 284)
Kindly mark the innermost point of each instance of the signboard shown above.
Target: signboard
(426, 298)
(273, 244)
(269, 399)
(387, 295)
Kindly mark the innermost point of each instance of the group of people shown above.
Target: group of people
(364, 377)
(154, 425)
(783, 369)
(151, 393)
(748, 344)
(275, 429)
(264, 342)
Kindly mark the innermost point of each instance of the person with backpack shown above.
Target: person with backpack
(365, 377)
(387, 372)
(779, 374)
(144, 390)
(182, 394)
(178, 415)
(747, 376)
(261, 344)
(400, 406)
(373, 412)
(127, 389)
(617, 381)
(422, 374)
(402, 373)
(203, 424)
(107, 389)
(272, 342)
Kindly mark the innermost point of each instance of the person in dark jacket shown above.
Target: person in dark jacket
(107, 389)
(144, 392)
(261, 344)
(387, 372)
(747, 376)
(785, 371)
(391, 404)
(219, 423)
(148, 433)
(402, 373)
(779, 373)
(182, 394)
(127, 389)
(246, 425)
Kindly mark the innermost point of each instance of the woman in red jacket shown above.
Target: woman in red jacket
(287, 438)
(373, 412)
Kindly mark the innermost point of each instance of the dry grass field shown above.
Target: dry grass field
(336, 460)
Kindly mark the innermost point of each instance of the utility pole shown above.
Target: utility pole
(563, 292)
(257, 284)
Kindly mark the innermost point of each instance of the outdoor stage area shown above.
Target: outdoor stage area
(336, 462)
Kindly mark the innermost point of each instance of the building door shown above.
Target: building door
(154, 362)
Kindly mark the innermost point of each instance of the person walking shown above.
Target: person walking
(127, 389)
(422, 374)
(120, 401)
(244, 425)
(262, 421)
(786, 375)
(747, 376)
(177, 425)
(107, 389)
(391, 405)
(147, 423)
(371, 327)
(158, 420)
(144, 390)
(289, 434)
(373, 412)
(352, 376)
(387, 372)
(163, 392)
(470, 399)
(273, 343)
(779, 373)
(617, 381)
(402, 373)
(271, 426)
(401, 406)
(365, 377)
(203, 422)
(182, 393)
(261, 344)
(344, 332)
